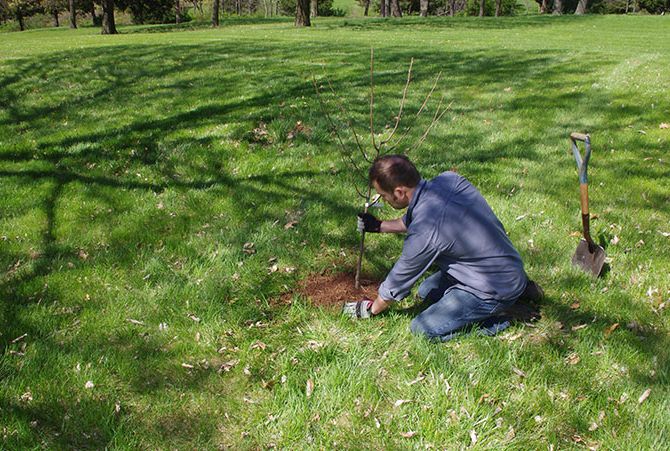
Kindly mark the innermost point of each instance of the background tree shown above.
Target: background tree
(581, 7)
(215, 13)
(54, 8)
(558, 7)
(73, 14)
(482, 6)
(108, 25)
(395, 8)
(498, 8)
(313, 8)
(302, 14)
(149, 11)
(424, 8)
(20, 9)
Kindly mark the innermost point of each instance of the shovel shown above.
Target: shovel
(588, 256)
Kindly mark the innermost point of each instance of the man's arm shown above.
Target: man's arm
(393, 226)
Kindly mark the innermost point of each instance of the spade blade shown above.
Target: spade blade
(589, 261)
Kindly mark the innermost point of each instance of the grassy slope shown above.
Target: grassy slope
(131, 180)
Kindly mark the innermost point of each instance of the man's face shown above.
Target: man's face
(398, 199)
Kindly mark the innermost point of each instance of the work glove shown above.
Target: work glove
(368, 223)
(358, 309)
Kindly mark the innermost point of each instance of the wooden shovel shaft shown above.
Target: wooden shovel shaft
(586, 220)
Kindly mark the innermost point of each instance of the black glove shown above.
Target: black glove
(368, 223)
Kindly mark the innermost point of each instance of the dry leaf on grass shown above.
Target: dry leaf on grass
(17, 339)
(579, 326)
(473, 437)
(574, 305)
(248, 248)
(309, 388)
(136, 322)
(408, 434)
(518, 372)
(418, 379)
(400, 402)
(644, 396)
(89, 385)
(663, 125)
(611, 329)
(187, 366)
(227, 366)
(572, 359)
(258, 345)
(273, 268)
(290, 225)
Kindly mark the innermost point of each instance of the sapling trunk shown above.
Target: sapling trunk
(361, 248)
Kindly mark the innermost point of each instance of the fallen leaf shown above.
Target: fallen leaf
(611, 329)
(538, 419)
(248, 248)
(644, 396)
(419, 378)
(258, 345)
(89, 385)
(377, 423)
(290, 225)
(187, 366)
(518, 372)
(572, 359)
(623, 398)
(400, 402)
(574, 305)
(614, 241)
(27, 397)
(236, 276)
(246, 371)
(510, 433)
(136, 322)
(579, 326)
(289, 269)
(593, 426)
(117, 407)
(408, 434)
(248, 400)
(309, 388)
(520, 217)
(272, 269)
(227, 366)
(82, 254)
(508, 89)
(664, 125)
(17, 339)
(575, 234)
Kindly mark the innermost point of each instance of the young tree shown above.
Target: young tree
(215, 13)
(302, 14)
(54, 8)
(482, 4)
(108, 25)
(581, 7)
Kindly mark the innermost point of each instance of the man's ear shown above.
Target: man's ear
(400, 192)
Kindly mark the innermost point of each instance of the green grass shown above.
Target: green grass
(131, 179)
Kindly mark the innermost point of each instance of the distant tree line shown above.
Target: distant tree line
(101, 12)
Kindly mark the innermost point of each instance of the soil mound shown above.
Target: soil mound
(331, 290)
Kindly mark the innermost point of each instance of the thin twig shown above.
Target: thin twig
(436, 118)
(416, 116)
(349, 124)
(402, 104)
(330, 120)
(372, 100)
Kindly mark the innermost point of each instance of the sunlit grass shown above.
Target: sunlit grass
(133, 172)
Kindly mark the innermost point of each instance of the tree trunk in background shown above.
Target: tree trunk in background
(215, 13)
(498, 8)
(424, 8)
(19, 19)
(56, 22)
(395, 8)
(302, 13)
(558, 7)
(313, 8)
(108, 25)
(73, 15)
(382, 8)
(177, 12)
(544, 6)
(96, 20)
(581, 7)
(482, 3)
(452, 7)
(367, 7)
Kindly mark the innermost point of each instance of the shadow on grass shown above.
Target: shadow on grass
(134, 108)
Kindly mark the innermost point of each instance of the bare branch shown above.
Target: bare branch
(402, 104)
(436, 118)
(372, 100)
(418, 113)
(324, 110)
(349, 124)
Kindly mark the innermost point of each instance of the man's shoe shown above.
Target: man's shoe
(533, 292)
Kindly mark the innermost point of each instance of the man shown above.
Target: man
(448, 224)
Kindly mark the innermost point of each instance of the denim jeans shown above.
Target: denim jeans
(454, 310)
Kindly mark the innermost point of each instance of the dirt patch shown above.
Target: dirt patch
(331, 290)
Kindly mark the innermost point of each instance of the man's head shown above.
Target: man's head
(395, 178)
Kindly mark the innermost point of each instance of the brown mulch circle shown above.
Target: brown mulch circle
(331, 290)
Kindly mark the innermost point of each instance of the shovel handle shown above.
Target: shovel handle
(582, 163)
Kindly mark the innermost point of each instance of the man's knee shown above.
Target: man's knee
(419, 326)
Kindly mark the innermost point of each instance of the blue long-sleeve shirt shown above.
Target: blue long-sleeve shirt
(450, 224)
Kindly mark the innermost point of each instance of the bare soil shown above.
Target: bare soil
(331, 290)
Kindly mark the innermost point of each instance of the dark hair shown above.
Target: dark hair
(392, 171)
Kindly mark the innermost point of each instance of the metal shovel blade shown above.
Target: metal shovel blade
(589, 261)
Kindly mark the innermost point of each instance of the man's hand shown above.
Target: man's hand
(358, 309)
(368, 223)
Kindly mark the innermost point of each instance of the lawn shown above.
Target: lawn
(160, 207)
